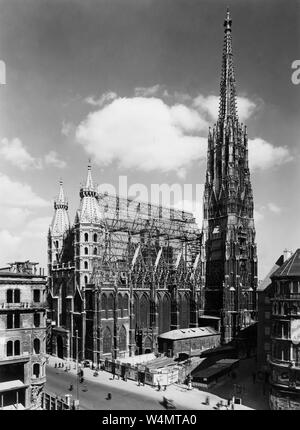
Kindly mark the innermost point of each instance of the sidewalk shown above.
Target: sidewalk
(183, 398)
(253, 393)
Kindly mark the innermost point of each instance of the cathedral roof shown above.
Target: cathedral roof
(291, 267)
(60, 222)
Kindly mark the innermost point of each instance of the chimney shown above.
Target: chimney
(287, 254)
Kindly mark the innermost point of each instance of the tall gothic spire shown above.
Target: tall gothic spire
(60, 222)
(227, 105)
(61, 201)
(89, 210)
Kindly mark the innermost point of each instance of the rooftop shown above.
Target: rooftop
(187, 333)
(291, 267)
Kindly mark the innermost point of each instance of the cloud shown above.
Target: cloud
(29, 244)
(105, 98)
(67, 128)
(17, 194)
(210, 106)
(52, 159)
(263, 155)
(151, 91)
(274, 208)
(144, 133)
(15, 152)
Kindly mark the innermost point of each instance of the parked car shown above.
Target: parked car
(87, 363)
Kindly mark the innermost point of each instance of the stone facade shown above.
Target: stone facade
(22, 336)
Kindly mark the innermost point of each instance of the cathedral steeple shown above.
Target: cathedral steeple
(61, 202)
(227, 107)
(228, 225)
(60, 223)
(89, 210)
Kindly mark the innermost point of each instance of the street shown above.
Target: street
(58, 382)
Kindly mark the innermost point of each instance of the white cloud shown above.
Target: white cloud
(144, 133)
(274, 208)
(29, 244)
(67, 128)
(52, 159)
(17, 194)
(105, 98)
(263, 155)
(210, 105)
(151, 91)
(15, 152)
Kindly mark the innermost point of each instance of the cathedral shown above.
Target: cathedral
(126, 271)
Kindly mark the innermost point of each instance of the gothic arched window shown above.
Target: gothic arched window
(110, 302)
(86, 237)
(85, 280)
(120, 304)
(184, 311)
(122, 339)
(144, 312)
(164, 313)
(95, 237)
(95, 251)
(86, 251)
(86, 265)
(107, 341)
(104, 304)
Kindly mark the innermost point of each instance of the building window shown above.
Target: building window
(17, 296)
(267, 331)
(86, 237)
(13, 320)
(17, 347)
(36, 346)
(95, 237)
(85, 280)
(9, 296)
(122, 339)
(107, 341)
(95, 251)
(86, 251)
(86, 265)
(37, 319)
(267, 315)
(9, 348)
(36, 370)
(9, 321)
(56, 244)
(36, 296)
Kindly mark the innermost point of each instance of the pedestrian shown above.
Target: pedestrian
(207, 401)
(158, 387)
(254, 377)
(55, 365)
(109, 396)
(71, 387)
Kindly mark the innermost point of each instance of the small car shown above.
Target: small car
(87, 363)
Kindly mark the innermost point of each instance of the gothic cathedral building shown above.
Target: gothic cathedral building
(127, 271)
